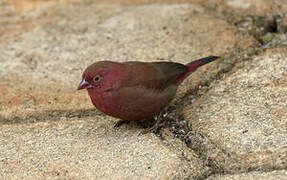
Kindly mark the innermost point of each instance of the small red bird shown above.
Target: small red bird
(135, 91)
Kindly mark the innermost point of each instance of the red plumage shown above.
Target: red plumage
(134, 91)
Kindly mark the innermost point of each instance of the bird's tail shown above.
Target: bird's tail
(192, 66)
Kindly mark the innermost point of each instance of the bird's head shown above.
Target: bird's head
(101, 76)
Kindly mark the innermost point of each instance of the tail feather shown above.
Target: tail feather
(199, 62)
(193, 66)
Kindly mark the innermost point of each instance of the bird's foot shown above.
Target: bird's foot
(152, 129)
(121, 122)
(158, 124)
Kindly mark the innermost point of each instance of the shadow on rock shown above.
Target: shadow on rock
(51, 115)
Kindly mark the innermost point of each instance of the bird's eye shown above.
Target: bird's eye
(97, 78)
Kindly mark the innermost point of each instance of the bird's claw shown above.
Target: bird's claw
(120, 122)
(153, 129)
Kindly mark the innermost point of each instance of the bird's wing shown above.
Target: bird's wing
(155, 75)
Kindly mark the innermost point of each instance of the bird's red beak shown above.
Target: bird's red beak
(83, 84)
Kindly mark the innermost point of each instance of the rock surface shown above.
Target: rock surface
(274, 175)
(229, 117)
(245, 115)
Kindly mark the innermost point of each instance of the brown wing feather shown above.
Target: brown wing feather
(171, 70)
(155, 75)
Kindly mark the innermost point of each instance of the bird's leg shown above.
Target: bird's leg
(158, 124)
(121, 122)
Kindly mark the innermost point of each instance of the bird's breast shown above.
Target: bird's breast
(132, 103)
